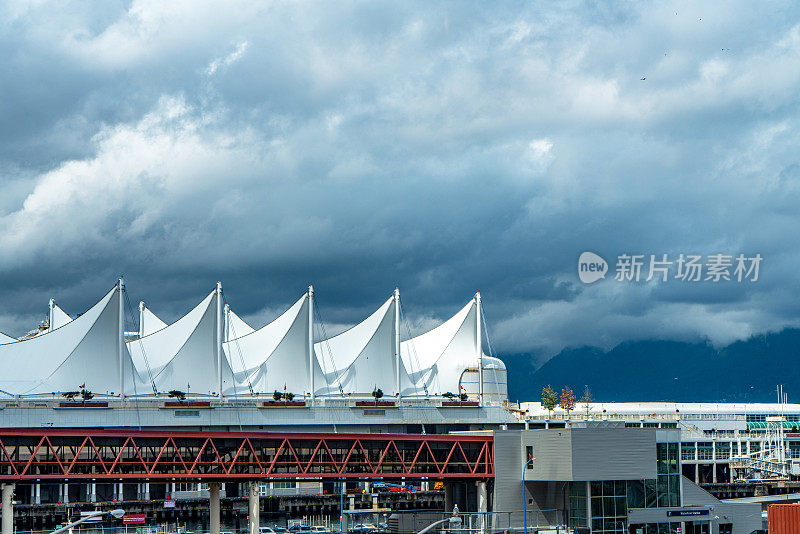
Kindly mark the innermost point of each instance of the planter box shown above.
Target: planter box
(459, 403)
(89, 404)
(190, 404)
(382, 404)
(282, 404)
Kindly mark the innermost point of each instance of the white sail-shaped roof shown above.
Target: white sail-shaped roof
(363, 358)
(439, 357)
(152, 352)
(60, 317)
(236, 327)
(183, 355)
(275, 357)
(6, 339)
(83, 352)
(150, 323)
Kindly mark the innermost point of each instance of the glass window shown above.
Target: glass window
(635, 494)
(688, 451)
(608, 487)
(620, 508)
(650, 496)
(597, 489)
(663, 491)
(597, 507)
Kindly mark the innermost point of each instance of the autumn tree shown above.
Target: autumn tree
(567, 401)
(549, 399)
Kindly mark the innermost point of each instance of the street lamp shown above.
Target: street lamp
(453, 520)
(118, 513)
(524, 500)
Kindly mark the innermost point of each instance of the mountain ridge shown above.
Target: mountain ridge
(669, 371)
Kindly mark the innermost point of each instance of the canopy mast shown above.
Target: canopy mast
(141, 319)
(311, 341)
(121, 348)
(397, 339)
(50, 316)
(219, 337)
(227, 315)
(478, 347)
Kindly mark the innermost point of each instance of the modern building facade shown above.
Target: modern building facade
(608, 479)
(719, 442)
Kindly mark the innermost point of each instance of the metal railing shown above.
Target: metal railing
(497, 522)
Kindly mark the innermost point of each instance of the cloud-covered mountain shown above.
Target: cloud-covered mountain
(657, 370)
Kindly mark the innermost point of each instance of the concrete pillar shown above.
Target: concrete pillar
(213, 495)
(8, 509)
(147, 491)
(37, 493)
(93, 492)
(254, 507)
(65, 500)
(483, 505)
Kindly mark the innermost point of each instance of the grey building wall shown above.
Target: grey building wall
(585, 454)
(613, 453)
(508, 471)
(591, 454)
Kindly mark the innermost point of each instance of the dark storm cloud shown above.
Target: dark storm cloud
(440, 148)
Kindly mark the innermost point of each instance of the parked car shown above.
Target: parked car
(266, 530)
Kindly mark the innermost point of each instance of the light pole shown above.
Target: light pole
(524, 500)
(116, 513)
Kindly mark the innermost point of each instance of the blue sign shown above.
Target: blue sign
(686, 513)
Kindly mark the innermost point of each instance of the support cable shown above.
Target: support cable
(133, 372)
(144, 353)
(233, 375)
(319, 320)
(413, 349)
(491, 352)
(238, 349)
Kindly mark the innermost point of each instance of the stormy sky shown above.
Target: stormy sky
(440, 147)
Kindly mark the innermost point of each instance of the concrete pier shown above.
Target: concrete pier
(483, 504)
(8, 509)
(213, 495)
(254, 507)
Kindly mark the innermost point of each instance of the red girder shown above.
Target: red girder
(74, 454)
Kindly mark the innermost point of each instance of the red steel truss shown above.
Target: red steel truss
(31, 454)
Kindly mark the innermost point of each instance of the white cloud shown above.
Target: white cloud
(231, 58)
(441, 148)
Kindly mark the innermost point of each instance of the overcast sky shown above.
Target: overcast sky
(439, 147)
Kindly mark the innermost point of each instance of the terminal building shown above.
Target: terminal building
(604, 469)
(608, 479)
(729, 445)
